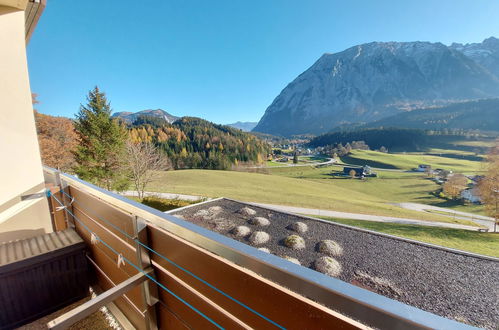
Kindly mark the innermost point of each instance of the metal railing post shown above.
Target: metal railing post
(149, 289)
(58, 181)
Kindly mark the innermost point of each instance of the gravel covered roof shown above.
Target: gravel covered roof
(454, 285)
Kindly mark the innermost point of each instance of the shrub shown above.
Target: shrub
(294, 242)
(299, 227)
(259, 221)
(293, 260)
(241, 231)
(163, 204)
(328, 266)
(330, 248)
(247, 211)
(259, 237)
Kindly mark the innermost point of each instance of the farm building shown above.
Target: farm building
(423, 168)
(471, 195)
(359, 171)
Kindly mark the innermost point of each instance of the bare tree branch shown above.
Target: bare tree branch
(144, 161)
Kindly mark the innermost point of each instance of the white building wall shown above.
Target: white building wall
(20, 163)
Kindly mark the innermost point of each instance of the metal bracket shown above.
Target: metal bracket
(149, 289)
(33, 196)
(91, 306)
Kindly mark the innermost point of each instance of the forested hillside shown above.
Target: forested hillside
(57, 139)
(196, 143)
(481, 115)
(403, 139)
(391, 138)
(188, 143)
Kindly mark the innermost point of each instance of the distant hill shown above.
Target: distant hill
(472, 115)
(244, 125)
(130, 117)
(372, 81)
(196, 143)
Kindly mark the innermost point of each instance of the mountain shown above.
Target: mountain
(130, 117)
(485, 53)
(482, 115)
(376, 80)
(245, 126)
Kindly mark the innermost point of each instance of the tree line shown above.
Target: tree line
(377, 138)
(196, 143)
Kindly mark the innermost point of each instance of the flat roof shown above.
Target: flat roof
(450, 283)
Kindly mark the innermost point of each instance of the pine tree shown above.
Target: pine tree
(101, 150)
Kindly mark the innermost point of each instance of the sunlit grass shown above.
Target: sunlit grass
(472, 241)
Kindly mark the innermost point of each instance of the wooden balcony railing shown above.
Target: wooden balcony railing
(196, 278)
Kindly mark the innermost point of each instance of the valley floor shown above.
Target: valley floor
(310, 187)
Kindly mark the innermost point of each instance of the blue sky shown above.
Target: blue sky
(220, 60)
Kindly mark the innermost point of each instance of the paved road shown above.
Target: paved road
(356, 216)
(479, 219)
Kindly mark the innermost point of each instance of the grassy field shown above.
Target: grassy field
(482, 243)
(279, 189)
(270, 163)
(488, 143)
(394, 187)
(412, 160)
(390, 186)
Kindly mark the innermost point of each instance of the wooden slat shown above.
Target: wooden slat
(168, 320)
(278, 304)
(85, 207)
(116, 275)
(58, 216)
(107, 236)
(94, 206)
(286, 308)
(202, 303)
(131, 313)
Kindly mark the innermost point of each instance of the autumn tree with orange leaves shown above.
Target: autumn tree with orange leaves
(489, 185)
(56, 138)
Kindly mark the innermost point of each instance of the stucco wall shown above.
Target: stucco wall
(20, 164)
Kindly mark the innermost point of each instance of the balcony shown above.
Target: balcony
(160, 271)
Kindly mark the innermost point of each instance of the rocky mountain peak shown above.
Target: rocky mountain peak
(374, 80)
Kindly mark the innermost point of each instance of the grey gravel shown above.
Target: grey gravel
(453, 285)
